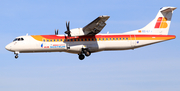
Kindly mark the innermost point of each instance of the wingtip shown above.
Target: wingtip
(105, 16)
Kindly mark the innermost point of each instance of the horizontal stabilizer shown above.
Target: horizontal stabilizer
(168, 9)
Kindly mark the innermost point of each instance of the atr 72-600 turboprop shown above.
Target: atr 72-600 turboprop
(86, 40)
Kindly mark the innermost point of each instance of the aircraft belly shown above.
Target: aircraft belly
(117, 45)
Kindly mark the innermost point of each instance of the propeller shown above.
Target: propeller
(68, 32)
(56, 32)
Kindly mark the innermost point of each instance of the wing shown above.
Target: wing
(95, 26)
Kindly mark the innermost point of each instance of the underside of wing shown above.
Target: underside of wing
(96, 26)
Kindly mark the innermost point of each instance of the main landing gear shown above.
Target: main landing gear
(81, 56)
(86, 52)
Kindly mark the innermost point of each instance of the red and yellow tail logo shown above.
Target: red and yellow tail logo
(161, 22)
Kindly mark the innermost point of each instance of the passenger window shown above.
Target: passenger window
(51, 40)
(92, 39)
(61, 39)
(57, 39)
(54, 40)
(106, 38)
(85, 39)
(47, 40)
(103, 39)
(123, 38)
(81, 39)
(119, 38)
(89, 39)
(116, 38)
(126, 38)
(78, 39)
(99, 38)
(44, 40)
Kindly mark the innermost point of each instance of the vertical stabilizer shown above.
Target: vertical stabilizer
(160, 25)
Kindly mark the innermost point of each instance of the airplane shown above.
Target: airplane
(86, 40)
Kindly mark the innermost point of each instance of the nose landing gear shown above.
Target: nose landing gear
(16, 54)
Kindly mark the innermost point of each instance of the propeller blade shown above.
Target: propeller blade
(57, 31)
(68, 29)
(67, 26)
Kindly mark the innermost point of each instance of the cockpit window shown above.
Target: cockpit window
(18, 39)
(15, 39)
(22, 39)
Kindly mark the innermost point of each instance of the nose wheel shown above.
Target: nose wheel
(16, 56)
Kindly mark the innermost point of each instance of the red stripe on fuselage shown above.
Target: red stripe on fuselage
(53, 37)
(102, 36)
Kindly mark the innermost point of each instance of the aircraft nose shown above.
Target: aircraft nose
(8, 47)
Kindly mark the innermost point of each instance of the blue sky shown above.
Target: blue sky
(151, 68)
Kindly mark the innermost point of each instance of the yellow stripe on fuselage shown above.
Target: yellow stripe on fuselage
(38, 37)
(154, 38)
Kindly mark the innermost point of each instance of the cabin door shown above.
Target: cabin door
(133, 41)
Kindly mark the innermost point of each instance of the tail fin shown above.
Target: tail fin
(160, 25)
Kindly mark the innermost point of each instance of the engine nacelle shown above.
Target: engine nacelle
(78, 32)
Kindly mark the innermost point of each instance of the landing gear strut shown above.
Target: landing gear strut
(16, 54)
(86, 52)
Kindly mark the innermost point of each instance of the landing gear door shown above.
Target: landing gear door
(133, 41)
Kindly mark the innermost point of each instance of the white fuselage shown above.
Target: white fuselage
(93, 43)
